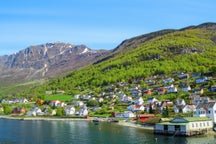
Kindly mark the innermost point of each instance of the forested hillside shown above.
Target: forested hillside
(188, 50)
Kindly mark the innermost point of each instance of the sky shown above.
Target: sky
(99, 24)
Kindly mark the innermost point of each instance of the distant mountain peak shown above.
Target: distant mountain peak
(47, 60)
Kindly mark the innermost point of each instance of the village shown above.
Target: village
(179, 104)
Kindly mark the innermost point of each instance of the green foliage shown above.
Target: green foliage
(59, 111)
(60, 97)
(92, 103)
(187, 50)
(7, 109)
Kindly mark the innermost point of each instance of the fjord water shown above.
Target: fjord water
(85, 132)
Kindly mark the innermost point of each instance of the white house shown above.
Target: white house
(134, 108)
(189, 108)
(152, 100)
(83, 111)
(34, 112)
(206, 110)
(77, 97)
(69, 110)
(139, 101)
(128, 114)
(57, 103)
(168, 80)
(186, 88)
(79, 103)
(172, 90)
(180, 102)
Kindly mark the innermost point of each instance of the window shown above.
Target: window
(192, 125)
(196, 124)
(209, 111)
(204, 124)
(207, 123)
(200, 124)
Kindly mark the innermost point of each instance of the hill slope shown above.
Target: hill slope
(192, 49)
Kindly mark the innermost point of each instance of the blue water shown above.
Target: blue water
(85, 132)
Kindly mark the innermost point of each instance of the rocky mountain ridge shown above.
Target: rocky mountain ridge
(46, 60)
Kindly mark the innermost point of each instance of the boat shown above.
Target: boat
(95, 121)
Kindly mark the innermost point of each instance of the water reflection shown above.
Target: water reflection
(85, 132)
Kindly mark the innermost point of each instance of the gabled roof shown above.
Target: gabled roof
(206, 105)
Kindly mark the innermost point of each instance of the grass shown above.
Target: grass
(60, 97)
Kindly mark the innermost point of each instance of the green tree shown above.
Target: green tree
(59, 111)
(7, 109)
(92, 103)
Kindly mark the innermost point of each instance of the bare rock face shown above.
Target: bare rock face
(46, 60)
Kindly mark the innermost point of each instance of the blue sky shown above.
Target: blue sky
(99, 24)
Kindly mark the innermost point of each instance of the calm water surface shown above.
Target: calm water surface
(85, 132)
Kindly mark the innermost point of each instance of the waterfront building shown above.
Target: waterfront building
(186, 126)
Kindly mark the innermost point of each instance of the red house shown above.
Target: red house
(144, 117)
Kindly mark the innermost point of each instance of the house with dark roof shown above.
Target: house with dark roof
(206, 110)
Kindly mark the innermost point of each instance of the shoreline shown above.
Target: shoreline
(43, 118)
(133, 124)
(121, 123)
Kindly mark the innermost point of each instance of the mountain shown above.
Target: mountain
(45, 61)
(190, 50)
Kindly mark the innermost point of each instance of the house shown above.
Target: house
(128, 114)
(189, 108)
(172, 90)
(186, 88)
(83, 111)
(194, 75)
(69, 110)
(180, 102)
(168, 80)
(206, 110)
(201, 80)
(144, 117)
(34, 112)
(152, 100)
(18, 110)
(48, 92)
(182, 76)
(79, 103)
(147, 91)
(60, 92)
(49, 111)
(164, 104)
(57, 103)
(161, 91)
(118, 115)
(134, 108)
(178, 108)
(198, 91)
(213, 88)
(77, 97)
(186, 126)
(100, 100)
(196, 99)
(139, 101)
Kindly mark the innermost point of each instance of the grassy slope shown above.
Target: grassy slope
(161, 55)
